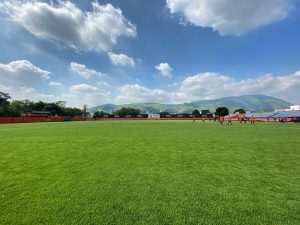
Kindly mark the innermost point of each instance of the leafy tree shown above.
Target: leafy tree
(4, 104)
(40, 106)
(241, 111)
(57, 108)
(72, 112)
(15, 108)
(123, 112)
(222, 111)
(164, 114)
(4, 97)
(204, 112)
(61, 104)
(85, 112)
(196, 113)
(18, 107)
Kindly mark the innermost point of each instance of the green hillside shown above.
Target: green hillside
(257, 103)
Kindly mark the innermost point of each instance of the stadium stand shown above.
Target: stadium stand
(261, 115)
(288, 114)
(233, 116)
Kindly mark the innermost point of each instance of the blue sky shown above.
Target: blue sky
(171, 51)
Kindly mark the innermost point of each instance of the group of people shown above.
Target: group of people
(242, 119)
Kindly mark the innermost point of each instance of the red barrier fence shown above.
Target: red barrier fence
(63, 119)
(32, 119)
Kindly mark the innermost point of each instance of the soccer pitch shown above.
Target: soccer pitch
(149, 172)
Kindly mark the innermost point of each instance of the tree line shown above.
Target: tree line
(132, 112)
(123, 112)
(16, 107)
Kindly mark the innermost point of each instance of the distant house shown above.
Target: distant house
(154, 116)
(35, 113)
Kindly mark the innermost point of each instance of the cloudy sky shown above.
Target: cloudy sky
(167, 51)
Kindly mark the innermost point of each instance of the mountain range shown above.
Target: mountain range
(255, 103)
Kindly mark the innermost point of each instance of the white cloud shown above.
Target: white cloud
(86, 94)
(231, 17)
(55, 84)
(77, 95)
(83, 71)
(33, 95)
(83, 88)
(198, 87)
(121, 59)
(22, 72)
(205, 86)
(136, 93)
(65, 23)
(164, 69)
(213, 85)
(26, 90)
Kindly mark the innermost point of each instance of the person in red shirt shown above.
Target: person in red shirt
(221, 119)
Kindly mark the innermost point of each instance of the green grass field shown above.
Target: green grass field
(149, 172)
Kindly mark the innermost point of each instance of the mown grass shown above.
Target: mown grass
(149, 172)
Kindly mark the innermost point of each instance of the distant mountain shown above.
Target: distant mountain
(257, 103)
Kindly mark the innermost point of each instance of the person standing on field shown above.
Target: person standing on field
(229, 121)
(252, 120)
(221, 119)
(245, 119)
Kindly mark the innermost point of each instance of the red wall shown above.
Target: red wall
(62, 119)
(31, 119)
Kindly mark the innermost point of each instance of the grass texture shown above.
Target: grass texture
(149, 172)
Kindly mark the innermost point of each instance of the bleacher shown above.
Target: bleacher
(261, 115)
(233, 116)
(288, 114)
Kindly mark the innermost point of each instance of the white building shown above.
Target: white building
(292, 108)
(154, 116)
(295, 107)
